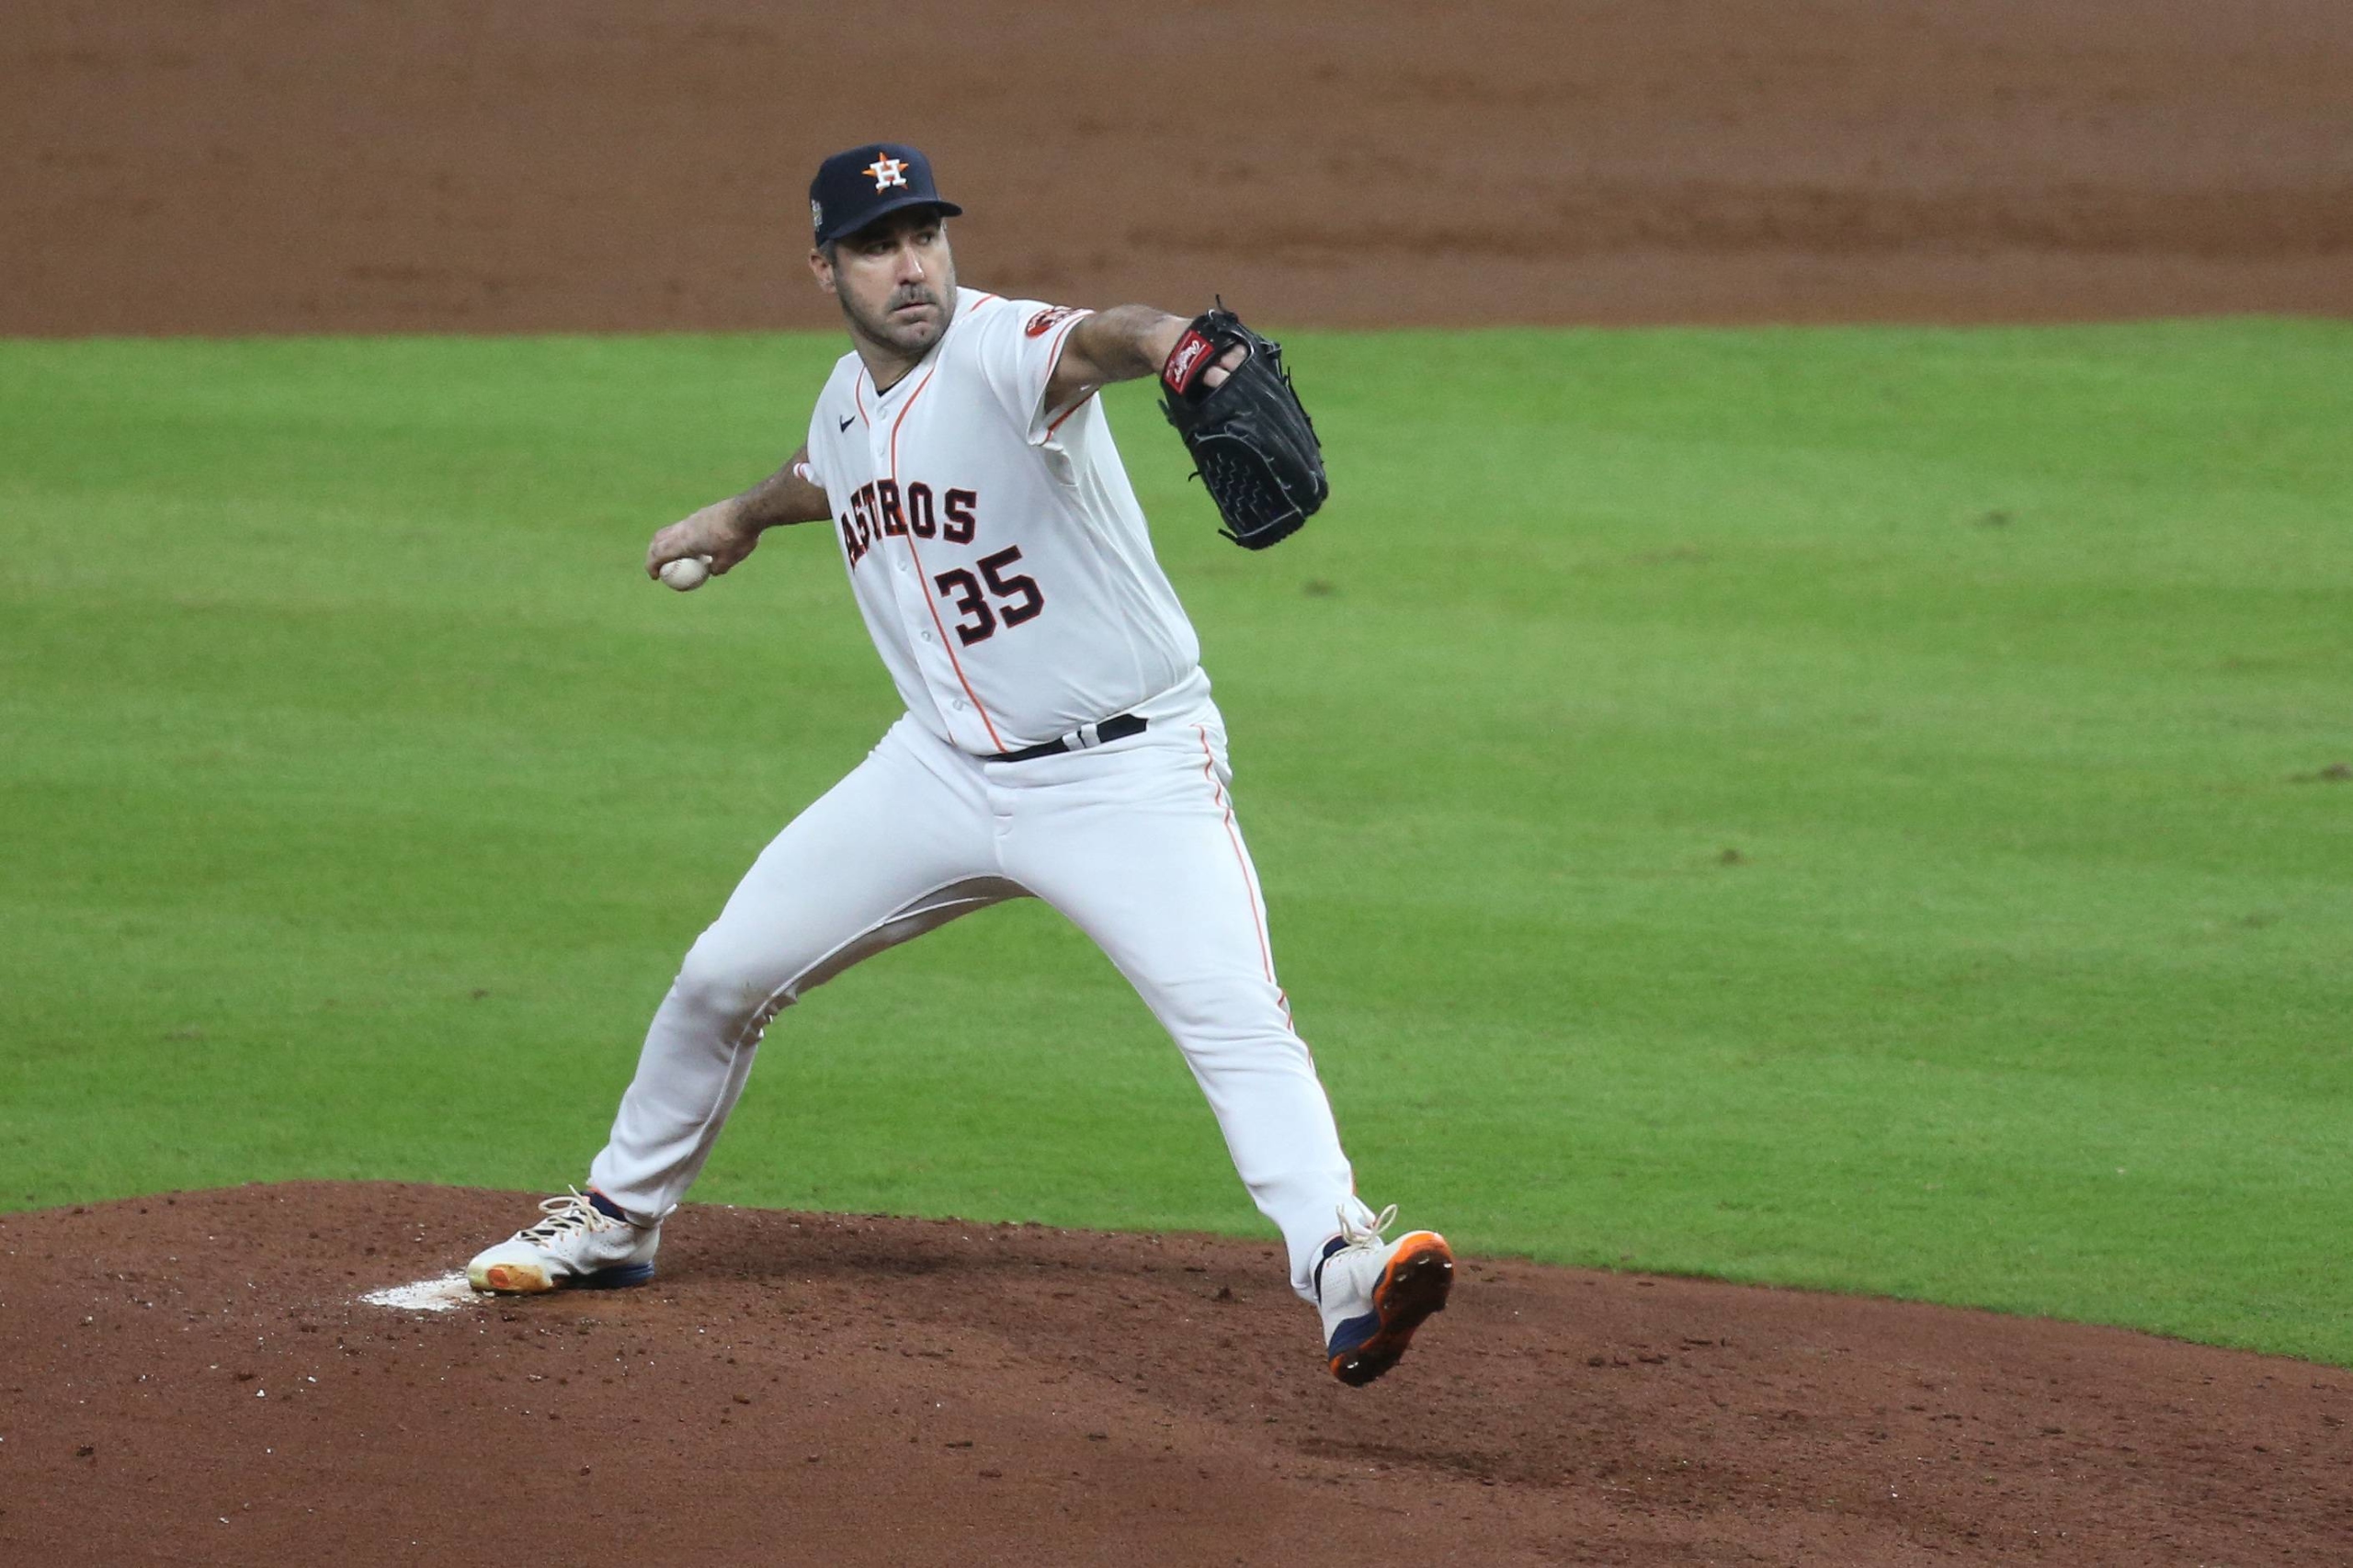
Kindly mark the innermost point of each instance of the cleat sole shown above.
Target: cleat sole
(510, 1279)
(1414, 1286)
(527, 1280)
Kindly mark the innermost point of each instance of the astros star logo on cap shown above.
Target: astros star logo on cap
(888, 172)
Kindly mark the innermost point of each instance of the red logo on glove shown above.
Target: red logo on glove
(1186, 360)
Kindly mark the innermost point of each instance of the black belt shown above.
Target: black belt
(1085, 738)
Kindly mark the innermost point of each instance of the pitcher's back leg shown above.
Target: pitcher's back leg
(898, 846)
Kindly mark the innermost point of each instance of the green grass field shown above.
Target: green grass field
(1841, 807)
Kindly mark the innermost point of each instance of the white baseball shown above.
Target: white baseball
(686, 573)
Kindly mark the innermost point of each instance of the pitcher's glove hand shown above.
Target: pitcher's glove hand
(1253, 445)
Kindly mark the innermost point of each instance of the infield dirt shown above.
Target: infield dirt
(298, 166)
(192, 1378)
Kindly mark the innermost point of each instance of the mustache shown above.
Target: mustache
(912, 294)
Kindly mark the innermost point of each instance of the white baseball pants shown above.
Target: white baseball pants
(1134, 842)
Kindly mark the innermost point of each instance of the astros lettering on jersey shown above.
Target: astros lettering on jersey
(1009, 584)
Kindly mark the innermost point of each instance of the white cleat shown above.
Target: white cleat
(577, 1245)
(1374, 1293)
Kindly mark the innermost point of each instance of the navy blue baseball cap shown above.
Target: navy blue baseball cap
(853, 189)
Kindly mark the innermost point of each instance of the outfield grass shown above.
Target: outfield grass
(1843, 808)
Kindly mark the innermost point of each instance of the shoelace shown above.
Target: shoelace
(572, 1212)
(1355, 1237)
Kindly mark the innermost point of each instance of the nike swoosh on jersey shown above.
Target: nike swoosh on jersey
(845, 425)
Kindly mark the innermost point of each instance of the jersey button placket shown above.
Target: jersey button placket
(937, 673)
(938, 668)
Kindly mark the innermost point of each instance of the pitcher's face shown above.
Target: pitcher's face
(895, 280)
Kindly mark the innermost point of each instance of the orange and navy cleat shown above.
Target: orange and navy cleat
(1375, 1293)
(584, 1244)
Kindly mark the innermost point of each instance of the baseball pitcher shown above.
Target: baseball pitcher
(1059, 741)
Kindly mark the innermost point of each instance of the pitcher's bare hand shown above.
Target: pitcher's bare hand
(720, 532)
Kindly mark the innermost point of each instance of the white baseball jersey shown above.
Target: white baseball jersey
(995, 546)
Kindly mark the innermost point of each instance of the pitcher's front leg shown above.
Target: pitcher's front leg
(1139, 848)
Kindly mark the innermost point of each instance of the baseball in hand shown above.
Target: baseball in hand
(686, 573)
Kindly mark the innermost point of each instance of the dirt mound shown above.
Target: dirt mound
(194, 1379)
(304, 165)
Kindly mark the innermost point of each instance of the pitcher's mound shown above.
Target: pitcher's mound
(198, 1378)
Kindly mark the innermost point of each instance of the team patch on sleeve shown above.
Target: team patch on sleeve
(1043, 322)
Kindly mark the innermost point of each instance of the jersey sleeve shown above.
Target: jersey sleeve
(810, 468)
(825, 435)
(815, 464)
(1019, 342)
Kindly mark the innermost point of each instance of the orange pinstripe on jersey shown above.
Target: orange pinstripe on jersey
(946, 644)
(1075, 407)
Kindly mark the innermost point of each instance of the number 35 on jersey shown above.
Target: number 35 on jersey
(994, 544)
(881, 510)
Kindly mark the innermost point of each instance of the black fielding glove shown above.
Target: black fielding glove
(1252, 443)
